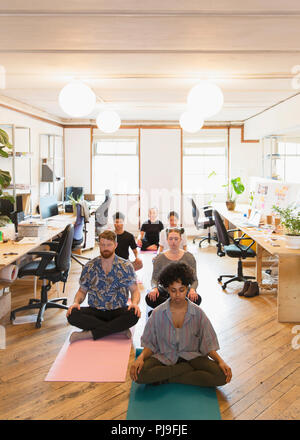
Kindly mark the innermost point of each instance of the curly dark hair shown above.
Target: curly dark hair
(176, 272)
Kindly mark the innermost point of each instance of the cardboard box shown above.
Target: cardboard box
(89, 197)
(31, 230)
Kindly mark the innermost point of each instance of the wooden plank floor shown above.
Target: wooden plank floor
(266, 369)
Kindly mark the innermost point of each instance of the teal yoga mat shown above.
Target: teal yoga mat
(172, 402)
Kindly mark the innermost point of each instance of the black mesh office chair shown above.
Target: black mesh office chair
(205, 222)
(53, 266)
(101, 214)
(234, 250)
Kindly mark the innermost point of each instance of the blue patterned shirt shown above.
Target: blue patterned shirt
(107, 292)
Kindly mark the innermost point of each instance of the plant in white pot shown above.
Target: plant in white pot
(290, 219)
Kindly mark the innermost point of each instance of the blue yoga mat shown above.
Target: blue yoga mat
(172, 402)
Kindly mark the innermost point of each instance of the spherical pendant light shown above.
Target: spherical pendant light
(205, 98)
(77, 99)
(191, 122)
(108, 121)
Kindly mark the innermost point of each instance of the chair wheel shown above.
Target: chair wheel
(219, 280)
(38, 324)
(223, 286)
(12, 316)
(64, 302)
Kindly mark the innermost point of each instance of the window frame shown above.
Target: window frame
(120, 139)
(207, 145)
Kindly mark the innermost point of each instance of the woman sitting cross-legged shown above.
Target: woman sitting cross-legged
(179, 341)
(159, 294)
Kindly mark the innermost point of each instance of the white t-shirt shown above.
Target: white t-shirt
(164, 242)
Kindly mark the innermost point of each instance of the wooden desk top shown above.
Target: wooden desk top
(264, 237)
(14, 250)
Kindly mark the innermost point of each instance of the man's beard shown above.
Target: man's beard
(106, 254)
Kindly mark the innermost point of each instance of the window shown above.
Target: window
(288, 163)
(204, 163)
(282, 158)
(116, 165)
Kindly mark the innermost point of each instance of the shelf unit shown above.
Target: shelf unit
(51, 166)
(19, 162)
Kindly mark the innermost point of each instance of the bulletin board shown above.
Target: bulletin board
(269, 193)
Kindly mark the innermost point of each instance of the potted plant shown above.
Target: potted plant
(234, 186)
(5, 177)
(251, 199)
(74, 201)
(290, 219)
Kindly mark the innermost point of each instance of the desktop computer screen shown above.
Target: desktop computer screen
(48, 206)
(75, 191)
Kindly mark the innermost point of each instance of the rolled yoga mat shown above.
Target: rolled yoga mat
(172, 402)
(103, 360)
(9, 273)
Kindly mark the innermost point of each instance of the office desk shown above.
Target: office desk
(59, 222)
(288, 296)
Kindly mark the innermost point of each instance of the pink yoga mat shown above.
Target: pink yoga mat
(103, 360)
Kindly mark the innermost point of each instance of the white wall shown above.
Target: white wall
(160, 166)
(37, 128)
(245, 160)
(281, 118)
(78, 157)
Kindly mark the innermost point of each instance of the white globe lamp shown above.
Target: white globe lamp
(205, 98)
(77, 99)
(108, 121)
(191, 122)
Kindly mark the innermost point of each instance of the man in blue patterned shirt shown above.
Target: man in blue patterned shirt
(107, 280)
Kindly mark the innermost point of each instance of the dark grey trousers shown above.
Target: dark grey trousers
(103, 322)
(200, 371)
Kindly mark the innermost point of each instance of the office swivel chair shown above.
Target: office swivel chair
(80, 234)
(205, 222)
(53, 266)
(101, 214)
(234, 250)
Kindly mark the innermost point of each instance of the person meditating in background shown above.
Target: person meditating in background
(173, 218)
(180, 344)
(149, 235)
(159, 294)
(106, 279)
(125, 240)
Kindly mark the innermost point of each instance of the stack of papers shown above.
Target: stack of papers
(29, 240)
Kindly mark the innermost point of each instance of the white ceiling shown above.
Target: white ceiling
(142, 57)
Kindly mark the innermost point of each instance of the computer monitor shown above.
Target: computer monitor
(48, 206)
(75, 191)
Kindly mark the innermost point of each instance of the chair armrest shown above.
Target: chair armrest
(47, 256)
(233, 230)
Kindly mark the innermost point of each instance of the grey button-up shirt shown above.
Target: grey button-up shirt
(196, 337)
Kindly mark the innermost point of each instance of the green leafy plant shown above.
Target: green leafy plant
(251, 197)
(213, 196)
(74, 201)
(234, 186)
(5, 177)
(290, 219)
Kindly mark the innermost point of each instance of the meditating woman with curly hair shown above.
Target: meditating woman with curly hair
(180, 344)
